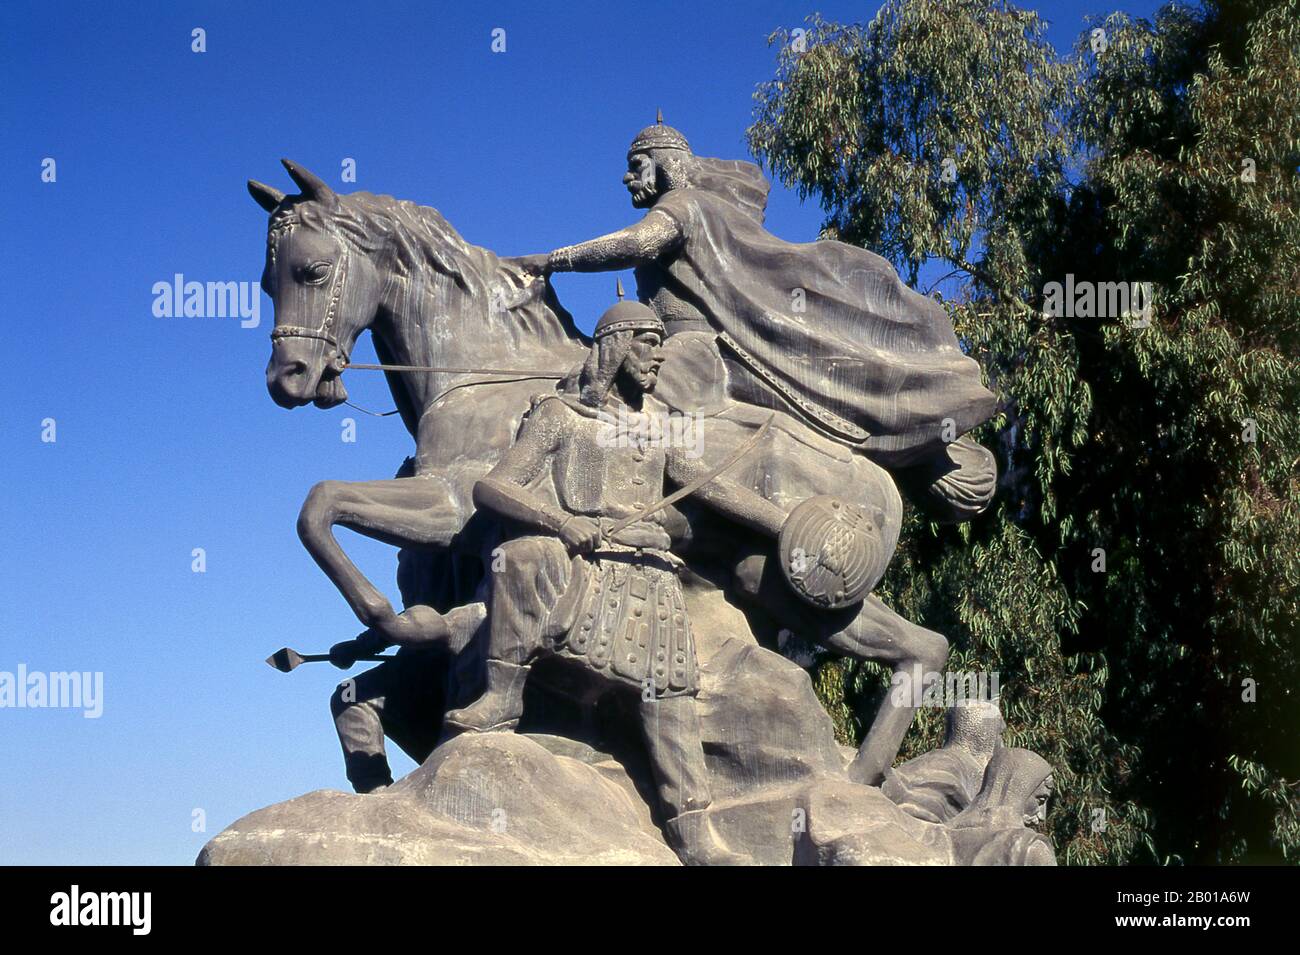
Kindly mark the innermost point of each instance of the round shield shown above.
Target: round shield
(831, 552)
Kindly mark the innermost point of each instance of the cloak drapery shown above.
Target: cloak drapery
(865, 348)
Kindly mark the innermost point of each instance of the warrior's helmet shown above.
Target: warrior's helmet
(626, 316)
(658, 136)
(670, 151)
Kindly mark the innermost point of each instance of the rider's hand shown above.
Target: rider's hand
(374, 640)
(344, 655)
(533, 265)
(580, 534)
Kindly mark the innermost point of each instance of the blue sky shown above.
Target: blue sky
(166, 438)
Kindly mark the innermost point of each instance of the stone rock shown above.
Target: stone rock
(849, 824)
(781, 797)
(761, 722)
(491, 799)
(564, 801)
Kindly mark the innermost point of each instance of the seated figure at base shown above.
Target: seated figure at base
(938, 785)
(583, 586)
(403, 698)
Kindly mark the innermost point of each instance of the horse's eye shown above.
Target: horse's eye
(316, 273)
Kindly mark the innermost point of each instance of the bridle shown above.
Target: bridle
(325, 332)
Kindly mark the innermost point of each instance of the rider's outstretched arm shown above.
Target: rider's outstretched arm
(654, 236)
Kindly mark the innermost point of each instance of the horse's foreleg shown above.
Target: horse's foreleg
(870, 631)
(404, 512)
(878, 633)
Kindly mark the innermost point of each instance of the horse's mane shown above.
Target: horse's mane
(418, 235)
(419, 238)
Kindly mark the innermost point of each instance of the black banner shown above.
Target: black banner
(353, 907)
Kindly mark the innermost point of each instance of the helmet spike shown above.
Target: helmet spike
(618, 287)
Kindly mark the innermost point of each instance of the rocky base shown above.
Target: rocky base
(499, 799)
(781, 797)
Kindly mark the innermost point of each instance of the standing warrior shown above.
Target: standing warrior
(587, 589)
(824, 330)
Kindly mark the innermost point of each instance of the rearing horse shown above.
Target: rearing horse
(340, 264)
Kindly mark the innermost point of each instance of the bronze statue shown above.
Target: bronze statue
(551, 542)
(341, 264)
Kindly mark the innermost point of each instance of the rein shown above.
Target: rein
(445, 393)
(325, 333)
(520, 374)
(529, 372)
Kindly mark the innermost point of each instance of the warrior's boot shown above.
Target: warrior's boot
(370, 777)
(500, 706)
(697, 842)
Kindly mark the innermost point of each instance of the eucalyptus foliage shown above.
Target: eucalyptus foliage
(1136, 581)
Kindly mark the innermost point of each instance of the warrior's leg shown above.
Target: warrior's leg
(671, 726)
(535, 573)
(415, 701)
(870, 631)
(357, 705)
(402, 700)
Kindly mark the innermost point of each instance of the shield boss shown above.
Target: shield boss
(831, 552)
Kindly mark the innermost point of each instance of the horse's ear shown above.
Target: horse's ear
(312, 185)
(264, 195)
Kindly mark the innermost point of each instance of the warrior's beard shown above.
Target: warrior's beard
(644, 191)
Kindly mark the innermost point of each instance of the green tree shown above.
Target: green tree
(950, 136)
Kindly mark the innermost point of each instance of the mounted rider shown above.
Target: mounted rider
(824, 330)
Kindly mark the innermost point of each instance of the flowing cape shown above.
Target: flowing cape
(864, 346)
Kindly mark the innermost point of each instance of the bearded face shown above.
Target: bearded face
(641, 366)
(1036, 806)
(640, 180)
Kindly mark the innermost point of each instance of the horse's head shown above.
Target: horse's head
(325, 290)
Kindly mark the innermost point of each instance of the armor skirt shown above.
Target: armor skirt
(631, 622)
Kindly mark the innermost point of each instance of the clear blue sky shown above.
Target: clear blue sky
(166, 438)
